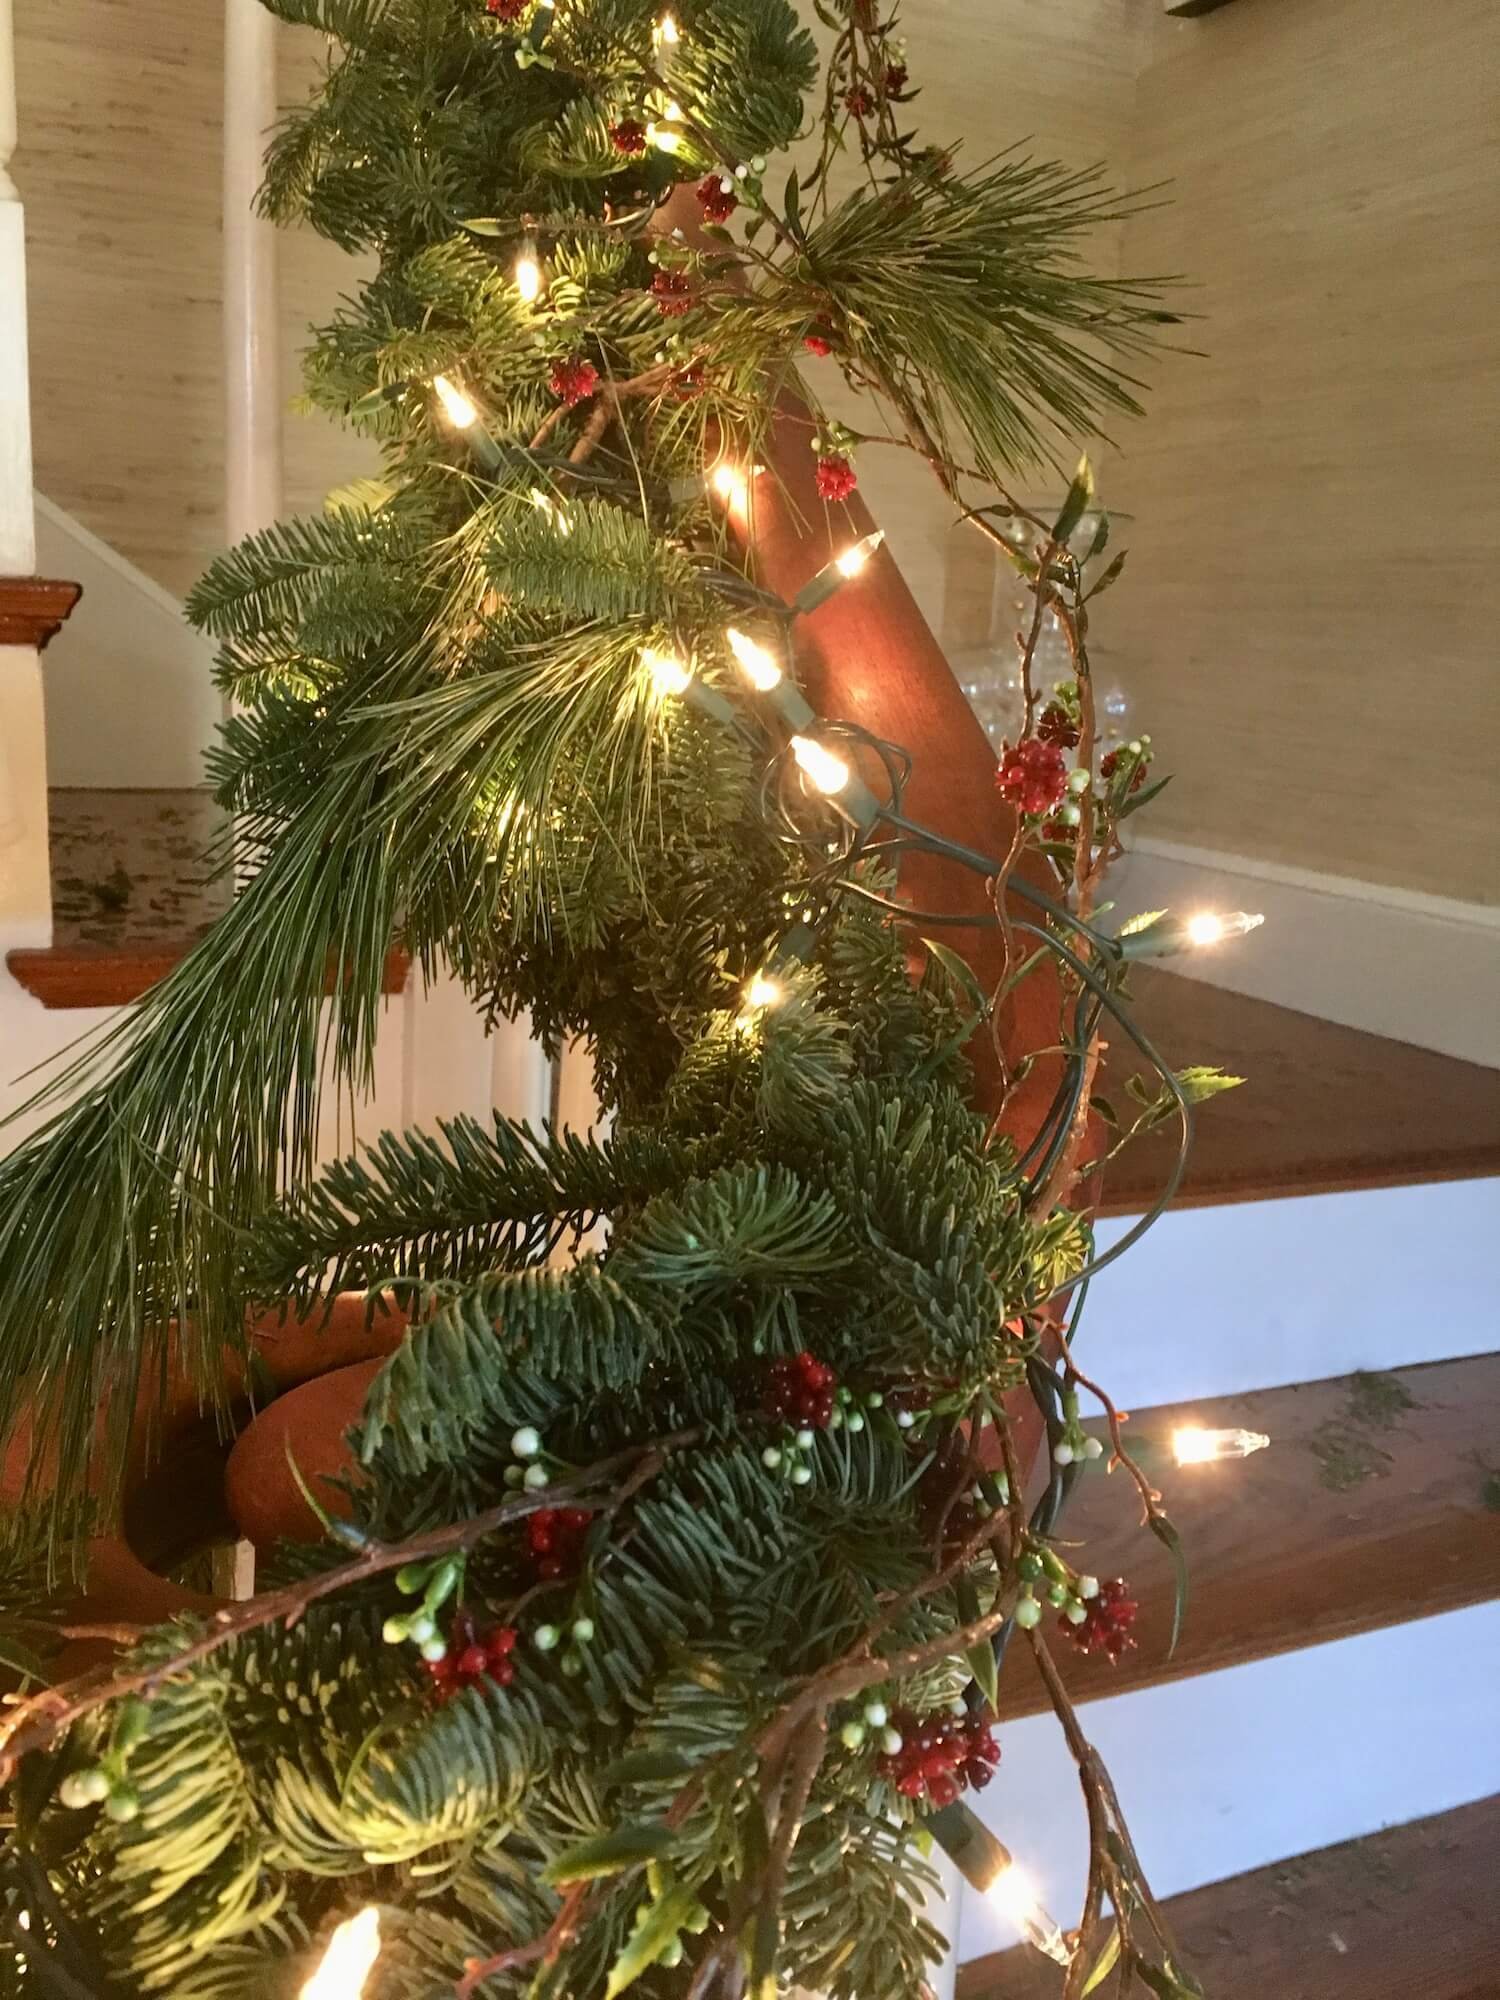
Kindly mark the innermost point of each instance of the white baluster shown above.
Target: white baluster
(252, 411)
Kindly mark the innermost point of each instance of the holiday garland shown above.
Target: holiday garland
(662, 1625)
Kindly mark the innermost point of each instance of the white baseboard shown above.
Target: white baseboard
(1230, 1771)
(1423, 969)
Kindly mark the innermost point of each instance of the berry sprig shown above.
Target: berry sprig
(1102, 1621)
(472, 1657)
(555, 1538)
(1062, 1587)
(107, 1783)
(1032, 776)
(938, 1756)
(573, 380)
(803, 1390)
(434, 1582)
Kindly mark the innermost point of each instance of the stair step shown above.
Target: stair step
(1322, 1108)
(130, 895)
(1377, 1502)
(1407, 1912)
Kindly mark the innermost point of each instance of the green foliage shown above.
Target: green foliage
(446, 740)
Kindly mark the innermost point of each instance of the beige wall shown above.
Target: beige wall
(1309, 624)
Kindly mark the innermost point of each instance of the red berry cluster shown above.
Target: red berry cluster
(1106, 1629)
(1110, 763)
(835, 477)
(472, 1656)
(688, 382)
(859, 100)
(507, 10)
(717, 201)
(555, 1538)
(628, 136)
(574, 380)
(673, 293)
(818, 338)
(1055, 725)
(895, 78)
(942, 1755)
(801, 1390)
(1032, 775)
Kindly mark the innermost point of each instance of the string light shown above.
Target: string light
(348, 1961)
(1210, 928)
(758, 665)
(828, 772)
(1193, 1445)
(667, 32)
(853, 560)
(529, 277)
(457, 408)
(668, 675)
(1012, 1892)
(762, 992)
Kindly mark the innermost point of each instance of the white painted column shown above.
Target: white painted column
(25, 889)
(252, 370)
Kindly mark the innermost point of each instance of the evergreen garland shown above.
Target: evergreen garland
(597, 1688)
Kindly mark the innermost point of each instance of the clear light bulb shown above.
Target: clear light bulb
(667, 31)
(1210, 928)
(853, 560)
(348, 1961)
(829, 773)
(457, 408)
(758, 666)
(1013, 1892)
(763, 991)
(528, 277)
(1193, 1445)
(729, 481)
(668, 674)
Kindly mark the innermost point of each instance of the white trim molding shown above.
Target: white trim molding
(1422, 969)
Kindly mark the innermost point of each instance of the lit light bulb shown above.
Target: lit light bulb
(1209, 928)
(1193, 1445)
(668, 675)
(663, 138)
(731, 483)
(545, 504)
(1012, 1892)
(763, 991)
(758, 666)
(853, 560)
(826, 771)
(674, 112)
(528, 277)
(348, 1961)
(457, 408)
(667, 31)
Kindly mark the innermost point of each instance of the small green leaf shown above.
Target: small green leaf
(1110, 576)
(1101, 539)
(1171, 1541)
(1203, 1081)
(981, 1657)
(646, 1767)
(608, 1853)
(654, 1932)
(1139, 799)
(1079, 494)
(358, 496)
(960, 972)
(1142, 921)
(1101, 1966)
(488, 225)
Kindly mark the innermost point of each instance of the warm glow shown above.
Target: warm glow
(729, 481)
(545, 504)
(348, 1961)
(758, 666)
(763, 991)
(668, 32)
(852, 561)
(528, 277)
(828, 772)
(1012, 1891)
(1193, 1445)
(457, 408)
(668, 674)
(1210, 928)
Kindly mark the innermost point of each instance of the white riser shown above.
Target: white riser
(1253, 1295)
(1230, 1771)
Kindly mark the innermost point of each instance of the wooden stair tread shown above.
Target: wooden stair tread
(1375, 1503)
(130, 895)
(1323, 1107)
(1406, 1912)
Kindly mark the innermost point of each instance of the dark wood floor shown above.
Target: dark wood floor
(1322, 1107)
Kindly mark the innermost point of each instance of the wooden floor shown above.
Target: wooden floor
(1378, 1501)
(1409, 1914)
(1322, 1107)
